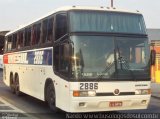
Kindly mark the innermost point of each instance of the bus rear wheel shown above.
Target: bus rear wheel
(12, 86)
(51, 98)
(17, 86)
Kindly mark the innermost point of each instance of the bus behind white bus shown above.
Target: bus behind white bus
(1, 61)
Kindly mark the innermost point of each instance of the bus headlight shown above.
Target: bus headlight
(84, 93)
(142, 91)
(91, 93)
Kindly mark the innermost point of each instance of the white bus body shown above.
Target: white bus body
(36, 69)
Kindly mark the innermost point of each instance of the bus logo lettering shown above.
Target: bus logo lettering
(18, 58)
(38, 59)
(116, 92)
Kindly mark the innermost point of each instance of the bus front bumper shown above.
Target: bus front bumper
(109, 103)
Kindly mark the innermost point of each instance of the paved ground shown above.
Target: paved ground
(8, 110)
(155, 90)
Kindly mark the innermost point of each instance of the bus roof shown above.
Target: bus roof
(67, 8)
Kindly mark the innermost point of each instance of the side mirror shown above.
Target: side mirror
(153, 57)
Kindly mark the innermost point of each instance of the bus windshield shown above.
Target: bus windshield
(114, 22)
(110, 57)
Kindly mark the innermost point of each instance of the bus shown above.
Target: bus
(64, 58)
(2, 34)
(1, 61)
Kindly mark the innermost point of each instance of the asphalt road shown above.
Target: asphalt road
(33, 108)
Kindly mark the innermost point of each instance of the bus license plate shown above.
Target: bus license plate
(115, 104)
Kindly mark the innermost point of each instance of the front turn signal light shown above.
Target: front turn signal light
(84, 93)
(143, 91)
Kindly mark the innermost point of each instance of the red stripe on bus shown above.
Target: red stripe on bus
(5, 59)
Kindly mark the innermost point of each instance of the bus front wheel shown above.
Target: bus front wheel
(51, 97)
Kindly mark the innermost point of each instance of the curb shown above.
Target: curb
(157, 97)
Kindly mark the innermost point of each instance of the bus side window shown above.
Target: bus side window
(14, 41)
(9, 43)
(27, 37)
(50, 30)
(44, 31)
(61, 26)
(47, 30)
(64, 58)
(5, 44)
(56, 58)
(36, 31)
(61, 59)
(20, 40)
(2, 44)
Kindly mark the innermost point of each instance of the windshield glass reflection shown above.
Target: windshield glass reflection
(109, 57)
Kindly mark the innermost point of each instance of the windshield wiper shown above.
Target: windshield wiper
(125, 65)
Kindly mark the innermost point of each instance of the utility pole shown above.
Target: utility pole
(112, 3)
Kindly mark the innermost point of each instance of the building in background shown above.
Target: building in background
(154, 36)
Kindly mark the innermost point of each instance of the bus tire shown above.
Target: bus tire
(51, 98)
(12, 82)
(17, 86)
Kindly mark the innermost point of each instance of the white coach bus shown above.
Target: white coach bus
(81, 59)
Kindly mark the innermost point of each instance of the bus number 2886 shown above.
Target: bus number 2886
(88, 86)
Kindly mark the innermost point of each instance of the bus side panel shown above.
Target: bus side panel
(6, 74)
(62, 93)
(32, 77)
